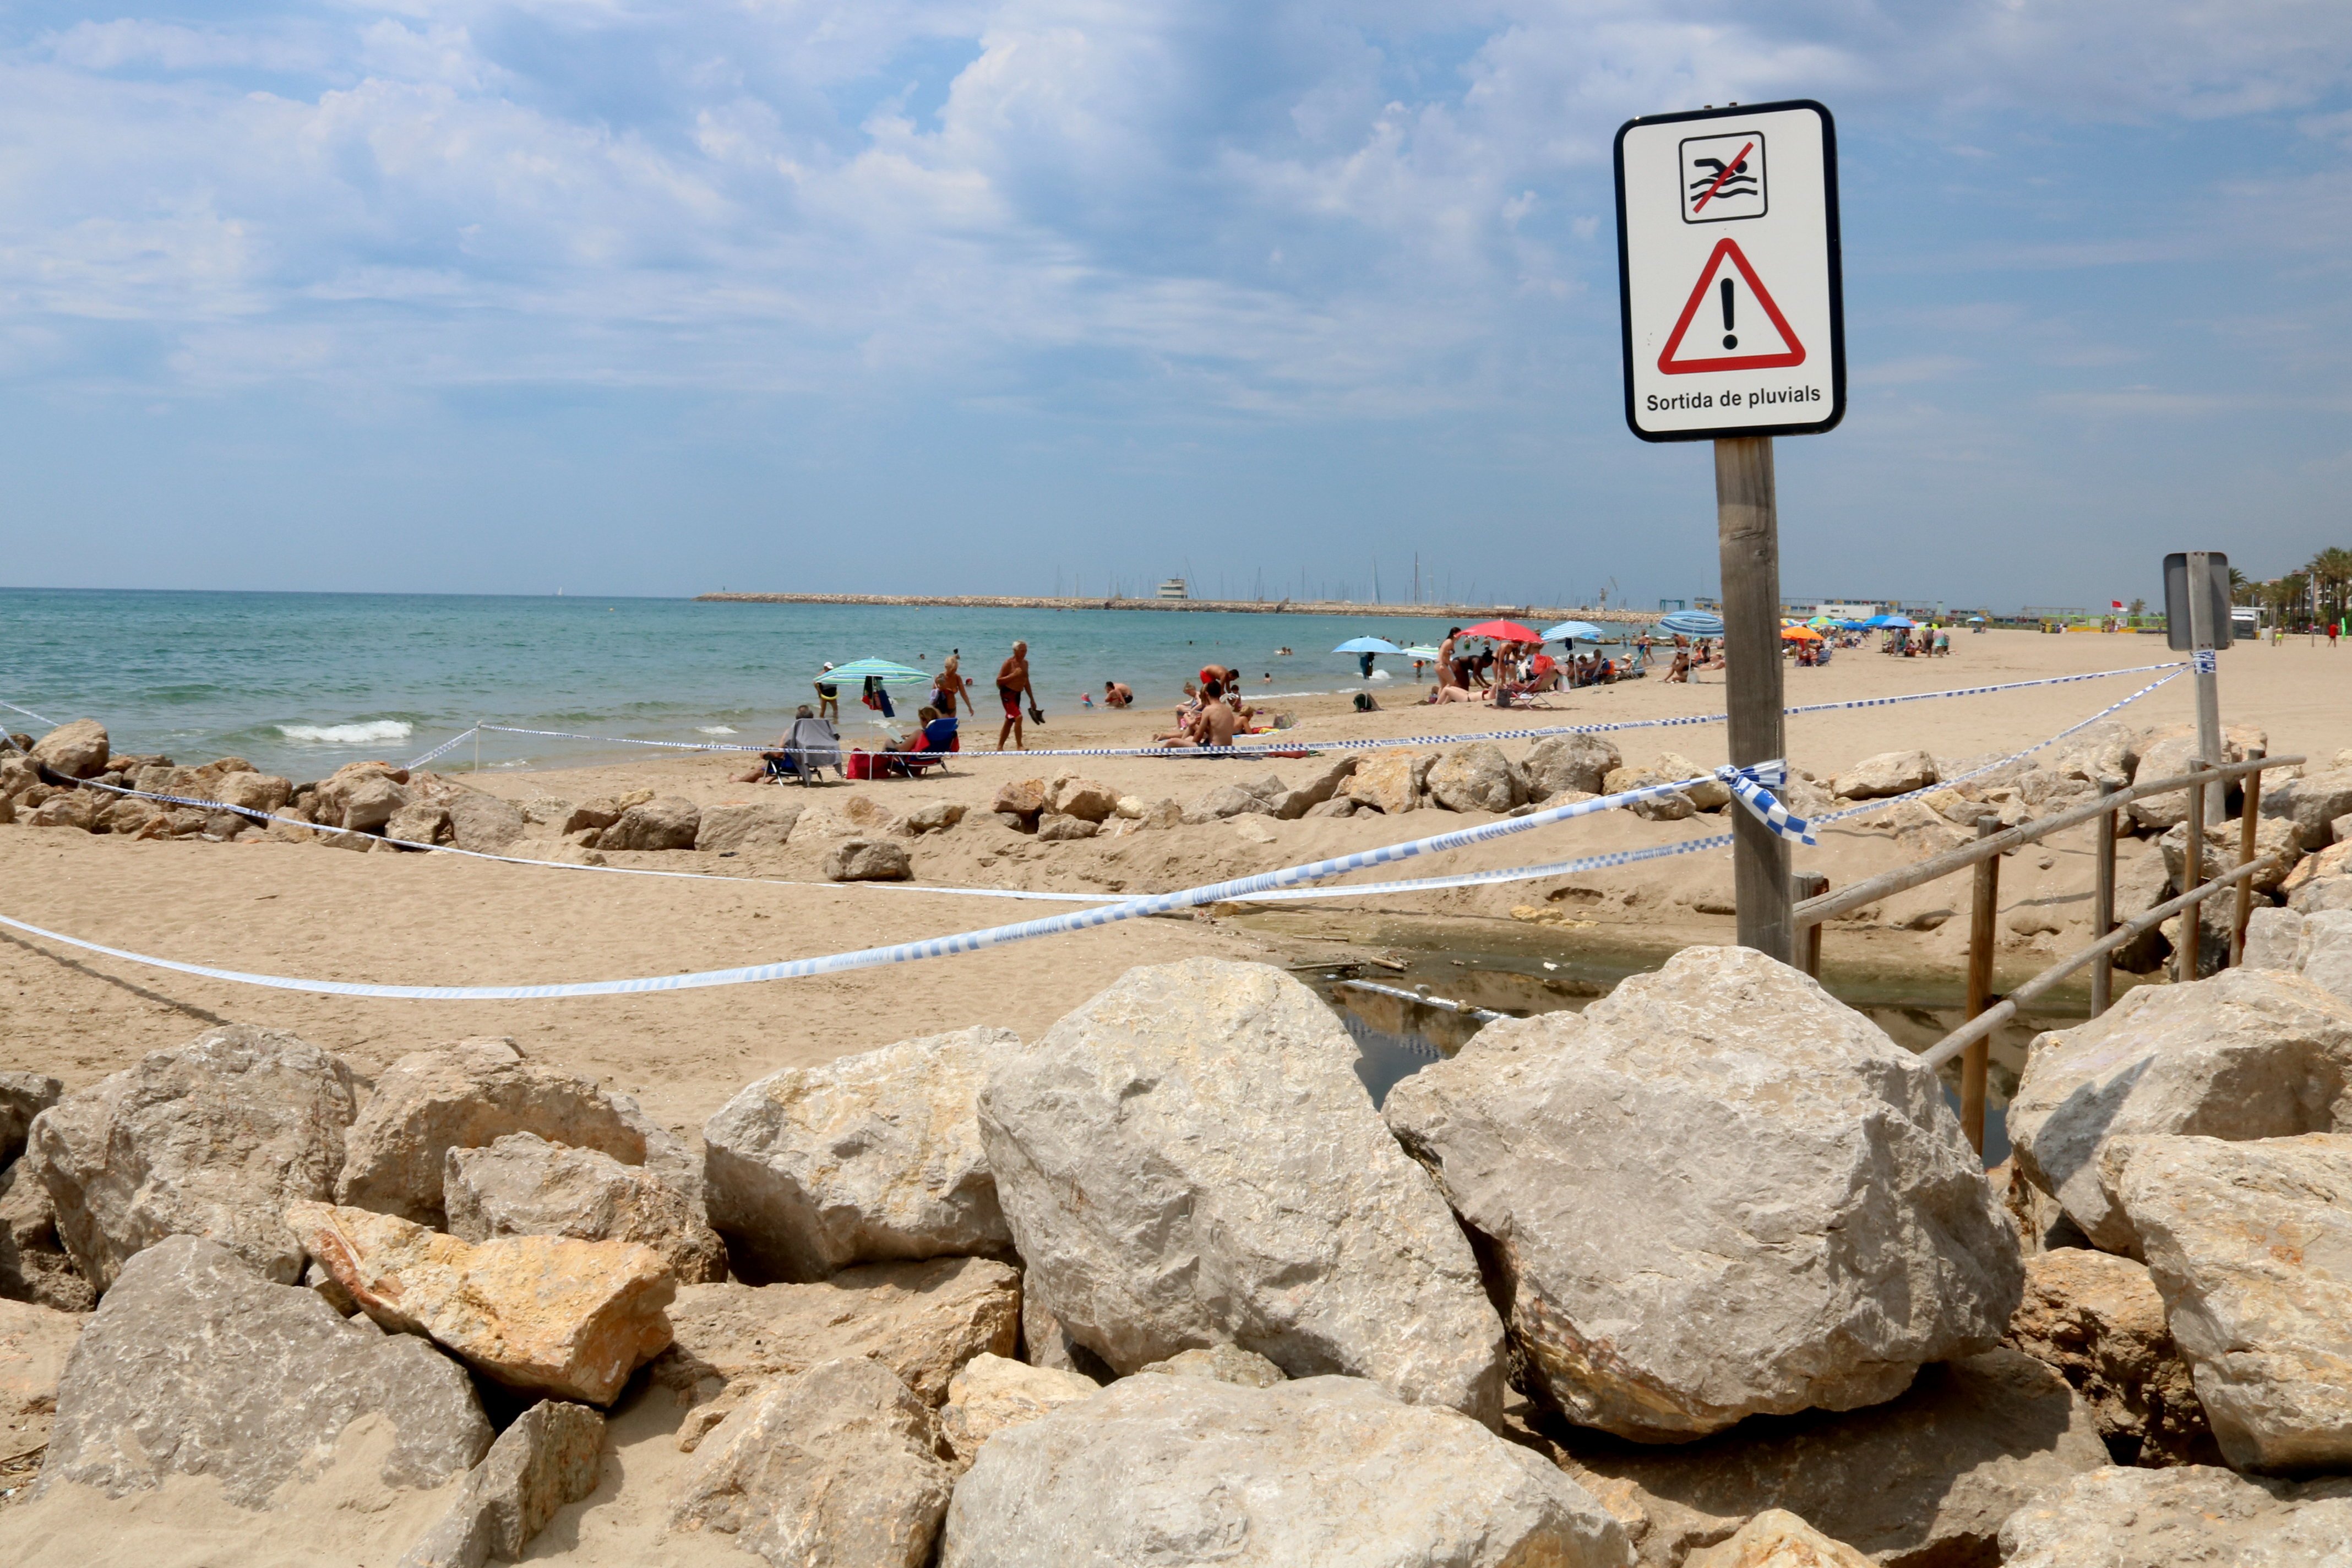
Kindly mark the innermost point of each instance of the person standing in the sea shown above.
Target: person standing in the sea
(1013, 690)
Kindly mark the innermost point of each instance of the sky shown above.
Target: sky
(622, 296)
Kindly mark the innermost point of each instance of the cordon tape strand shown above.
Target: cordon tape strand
(1751, 787)
(1275, 746)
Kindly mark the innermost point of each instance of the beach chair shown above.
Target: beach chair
(811, 745)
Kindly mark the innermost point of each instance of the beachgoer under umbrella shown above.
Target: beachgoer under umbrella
(1013, 690)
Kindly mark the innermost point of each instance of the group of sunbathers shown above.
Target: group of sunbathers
(1213, 712)
(1512, 674)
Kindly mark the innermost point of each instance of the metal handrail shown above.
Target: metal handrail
(1829, 905)
(1982, 1025)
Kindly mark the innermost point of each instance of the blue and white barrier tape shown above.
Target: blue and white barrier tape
(1274, 744)
(447, 746)
(901, 953)
(2205, 661)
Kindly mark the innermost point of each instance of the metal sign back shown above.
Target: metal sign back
(2178, 616)
(1730, 290)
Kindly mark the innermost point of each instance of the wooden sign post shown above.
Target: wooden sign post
(1731, 304)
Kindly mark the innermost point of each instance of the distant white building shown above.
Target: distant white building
(1175, 588)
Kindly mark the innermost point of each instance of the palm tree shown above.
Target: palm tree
(2242, 587)
(2331, 569)
(2286, 596)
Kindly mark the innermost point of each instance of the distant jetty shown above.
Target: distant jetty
(1463, 612)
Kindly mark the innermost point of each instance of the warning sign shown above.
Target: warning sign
(1754, 334)
(1728, 272)
(1723, 178)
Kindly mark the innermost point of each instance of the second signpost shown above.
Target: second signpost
(1733, 317)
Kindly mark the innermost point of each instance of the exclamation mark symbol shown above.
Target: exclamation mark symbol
(1729, 341)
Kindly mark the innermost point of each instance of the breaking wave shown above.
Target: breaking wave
(366, 733)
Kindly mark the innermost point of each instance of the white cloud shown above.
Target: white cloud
(1253, 208)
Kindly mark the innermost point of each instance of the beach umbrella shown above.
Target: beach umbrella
(1894, 623)
(1799, 634)
(1818, 621)
(881, 670)
(1694, 623)
(1367, 644)
(1580, 631)
(1504, 631)
(1853, 625)
(1419, 650)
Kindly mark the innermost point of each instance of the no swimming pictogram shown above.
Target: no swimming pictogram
(1743, 329)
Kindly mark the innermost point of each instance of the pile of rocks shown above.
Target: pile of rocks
(1704, 1272)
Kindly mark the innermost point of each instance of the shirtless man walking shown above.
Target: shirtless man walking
(1013, 690)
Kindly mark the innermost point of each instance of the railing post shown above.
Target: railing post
(2189, 959)
(1977, 1060)
(1806, 885)
(2103, 906)
(2247, 813)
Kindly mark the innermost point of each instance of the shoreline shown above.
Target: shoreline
(1214, 606)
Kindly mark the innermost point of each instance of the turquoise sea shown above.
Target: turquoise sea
(300, 683)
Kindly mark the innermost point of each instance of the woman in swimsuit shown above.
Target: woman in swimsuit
(951, 686)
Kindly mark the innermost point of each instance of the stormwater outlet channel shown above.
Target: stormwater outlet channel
(1522, 971)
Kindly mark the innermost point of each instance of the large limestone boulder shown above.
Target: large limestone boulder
(923, 1321)
(1778, 1539)
(211, 1138)
(2275, 847)
(993, 1393)
(2310, 804)
(1391, 781)
(1559, 763)
(1476, 777)
(361, 796)
(2114, 1517)
(476, 1092)
(665, 823)
(419, 822)
(1671, 807)
(1225, 802)
(1070, 795)
(870, 860)
(554, 1454)
(2251, 1244)
(1826, 1230)
(1318, 790)
(196, 1365)
(761, 825)
(543, 1315)
(34, 1344)
(33, 1267)
(483, 823)
(1889, 772)
(1324, 1471)
(2097, 1320)
(1710, 794)
(2168, 755)
(2318, 947)
(865, 1158)
(1925, 1479)
(23, 1095)
(1190, 1159)
(78, 750)
(2246, 1054)
(1224, 1364)
(522, 1184)
(831, 1468)
(252, 791)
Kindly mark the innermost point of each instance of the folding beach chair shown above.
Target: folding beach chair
(811, 745)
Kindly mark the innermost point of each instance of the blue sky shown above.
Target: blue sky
(625, 296)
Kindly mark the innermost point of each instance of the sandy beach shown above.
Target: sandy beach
(310, 910)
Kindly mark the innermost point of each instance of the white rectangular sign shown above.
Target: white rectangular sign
(1728, 272)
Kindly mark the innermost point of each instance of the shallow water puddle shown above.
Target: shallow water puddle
(1522, 972)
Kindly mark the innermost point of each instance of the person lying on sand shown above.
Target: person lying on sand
(1452, 694)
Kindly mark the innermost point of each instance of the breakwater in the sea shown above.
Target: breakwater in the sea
(1530, 613)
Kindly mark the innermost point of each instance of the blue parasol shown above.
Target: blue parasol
(1367, 644)
(1692, 623)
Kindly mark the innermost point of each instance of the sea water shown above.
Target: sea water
(300, 683)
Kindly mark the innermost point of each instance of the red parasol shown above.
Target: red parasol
(1504, 631)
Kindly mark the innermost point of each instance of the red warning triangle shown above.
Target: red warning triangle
(1764, 357)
